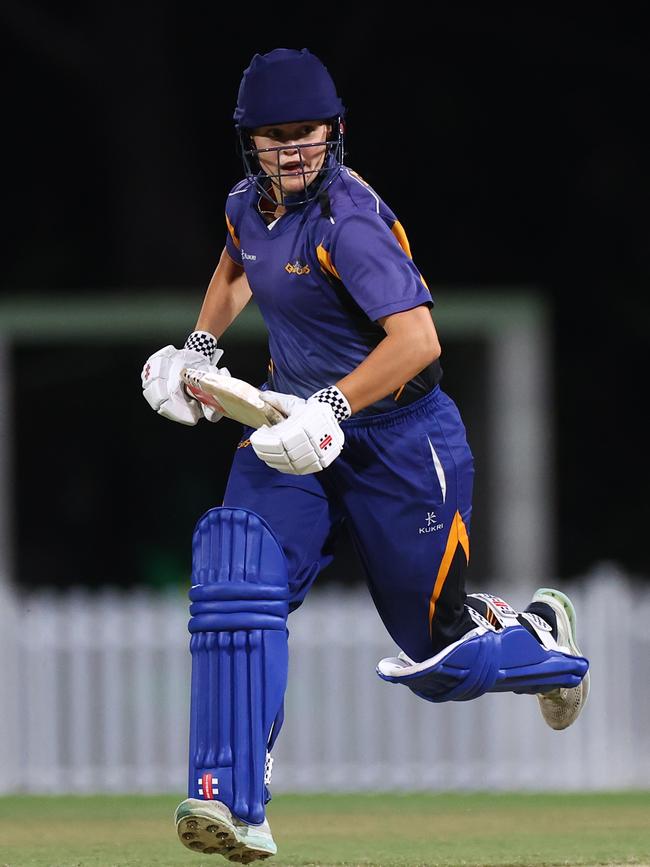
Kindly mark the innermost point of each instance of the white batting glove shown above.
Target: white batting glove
(309, 439)
(162, 385)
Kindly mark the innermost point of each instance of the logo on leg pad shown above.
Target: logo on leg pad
(208, 786)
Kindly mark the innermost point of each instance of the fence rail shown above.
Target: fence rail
(94, 697)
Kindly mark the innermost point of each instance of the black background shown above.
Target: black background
(512, 144)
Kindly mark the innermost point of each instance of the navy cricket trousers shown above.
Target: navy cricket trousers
(403, 487)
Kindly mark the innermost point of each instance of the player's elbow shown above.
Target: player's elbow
(429, 347)
(433, 347)
(414, 334)
(422, 349)
(421, 352)
(425, 337)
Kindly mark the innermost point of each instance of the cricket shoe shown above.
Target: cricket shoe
(561, 707)
(209, 828)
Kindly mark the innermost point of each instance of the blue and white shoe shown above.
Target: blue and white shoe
(561, 707)
(210, 828)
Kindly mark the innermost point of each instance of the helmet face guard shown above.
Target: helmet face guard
(268, 182)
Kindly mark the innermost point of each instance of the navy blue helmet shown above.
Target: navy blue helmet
(287, 86)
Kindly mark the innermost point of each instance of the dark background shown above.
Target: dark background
(513, 145)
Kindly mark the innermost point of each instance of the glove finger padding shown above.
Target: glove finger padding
(307, 442)
(164, 389)
(156, 393)
(154, 376)
(178, 409)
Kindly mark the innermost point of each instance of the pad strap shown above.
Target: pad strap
(501, 615)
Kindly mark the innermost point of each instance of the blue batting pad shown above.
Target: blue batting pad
(508, 661)
(239, 652)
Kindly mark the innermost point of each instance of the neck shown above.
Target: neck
(271, 210)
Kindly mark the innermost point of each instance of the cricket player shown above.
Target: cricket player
(369, 439)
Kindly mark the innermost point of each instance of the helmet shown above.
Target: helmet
(286, 86)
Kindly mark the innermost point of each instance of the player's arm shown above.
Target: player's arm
(411, 344)
(227, 294)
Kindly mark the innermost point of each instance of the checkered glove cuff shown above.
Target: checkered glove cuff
(203, 342)
(336, 399)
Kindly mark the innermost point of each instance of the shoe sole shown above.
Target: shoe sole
(563, 608)
(215, 835)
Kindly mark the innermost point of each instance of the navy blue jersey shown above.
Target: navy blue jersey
(322, 274)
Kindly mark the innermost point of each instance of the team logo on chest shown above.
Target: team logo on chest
(297, 268)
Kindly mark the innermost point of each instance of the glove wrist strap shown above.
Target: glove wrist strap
(336, 399)
(203, 342)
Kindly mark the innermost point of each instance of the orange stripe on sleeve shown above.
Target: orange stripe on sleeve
(326, 261)
(233, 234)
(398, 230)
(457, 536)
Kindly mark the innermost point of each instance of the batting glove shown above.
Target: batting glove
(310, 438)
(163, 388)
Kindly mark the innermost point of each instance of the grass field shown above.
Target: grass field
(414, 830)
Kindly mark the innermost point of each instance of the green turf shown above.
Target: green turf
(413, 830)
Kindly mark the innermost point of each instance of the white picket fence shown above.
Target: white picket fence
(94, 697)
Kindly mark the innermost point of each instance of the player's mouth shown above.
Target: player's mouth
(293, 168)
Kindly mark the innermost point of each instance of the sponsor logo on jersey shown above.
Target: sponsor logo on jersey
(208, 786)
(251, 256)
(433, 524)
(243, 444)
(297, 268)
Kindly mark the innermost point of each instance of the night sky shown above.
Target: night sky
(514, 148)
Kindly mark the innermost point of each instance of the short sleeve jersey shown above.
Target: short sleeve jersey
(322, 275)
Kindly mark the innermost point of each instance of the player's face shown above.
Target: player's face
(291, 153)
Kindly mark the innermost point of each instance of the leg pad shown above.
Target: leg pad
(510, 660)
(239, 607)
